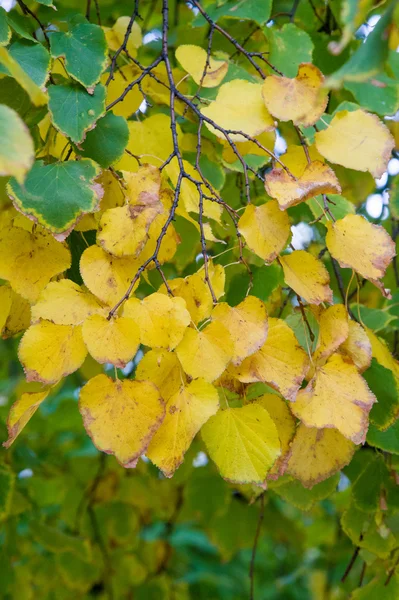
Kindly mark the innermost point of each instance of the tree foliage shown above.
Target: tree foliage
(194, 280)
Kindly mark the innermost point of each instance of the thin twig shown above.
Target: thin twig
(255, 546)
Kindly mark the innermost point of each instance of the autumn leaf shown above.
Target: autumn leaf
(162, 320)
(266, 229)
(356, 140)
(193, 59)
(281, 362)
(186, 412)
(114, 341)
(121, 416)
(243, 442)
(301, 100)
(338, 397)
(345, 240)
(206, 353)
(29, 260)
(246, 323)
(316, 454)
(21, 412)
(49, 352)
(239, 107)
(317, 178)
(307, 276)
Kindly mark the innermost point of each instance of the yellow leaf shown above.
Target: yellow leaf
(143, 187)
(357, 346)
(162, 320)
(382, 354)
(281, 362)
(114, 341)
(121, 416)
(307, 276)
(5, 304)
(246, 323)
(239, 107)
(123, 231)
(358, 244)
(169, 243)
(65, 303)
(285, 424)
(266, 229)
(18, 316)
(206, 353)
(186, 413)
(49, 352)
(316, 454)
(121, 79)
(296, 160)
(301, 99)
(196, 293)
(106, 276)
(266, 139)
(21, 412)
(151, 140)
(164, 370)
(337, 396)
(119, 30)
(356, 140)
(316, 179)
(334, 330)
(158, 89)
(193, 59)
(243, 442)
(18, 152)
(189, 195)
(29, 260)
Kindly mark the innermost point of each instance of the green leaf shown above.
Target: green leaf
(339, 206)
(46, 3)
(353, 14)
(265, 280)
(73, 110)
(363, 530)
(32, 58)
(57, 195)
(21, 25)
(380, 95)
(301, 497)
(374, 318)
(387, 440)
(7, 480)
(85, 51)
(243, 9)
(77, 573)
(17, 152)
(368, 487)
(382, 383)
(37, 96)
(5, 31)
(394, 198)
(107, 141)
(56, 541)
(15, 97)
(378, 588)
(369, 58)
(289, 47)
